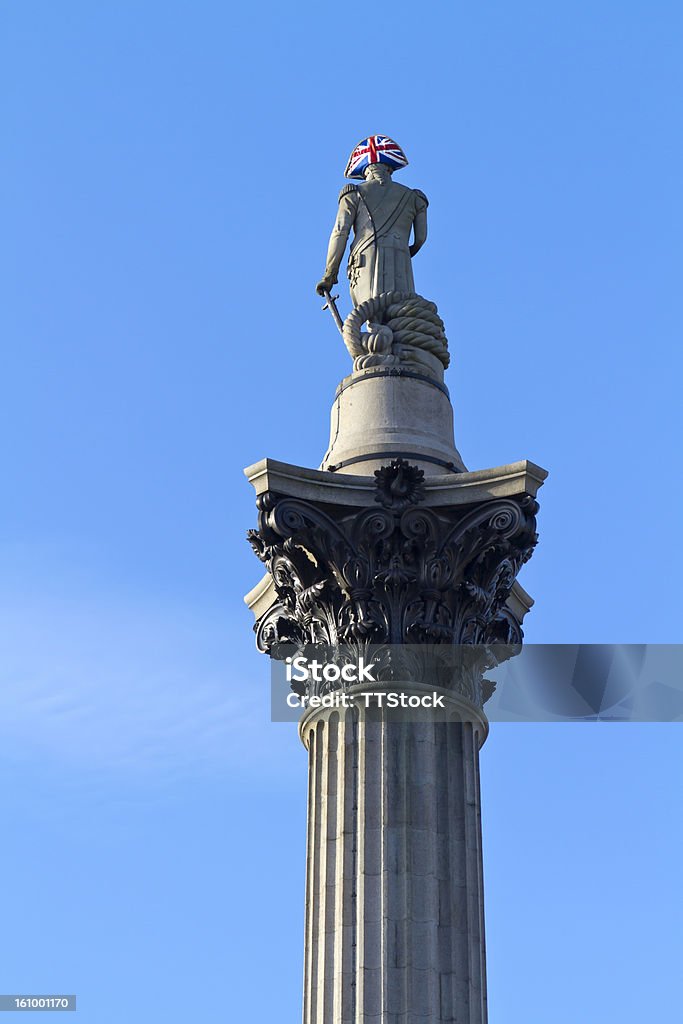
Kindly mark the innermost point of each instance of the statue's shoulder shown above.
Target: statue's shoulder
(347, 190)
(420, 195)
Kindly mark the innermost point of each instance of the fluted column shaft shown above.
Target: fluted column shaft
(394, 893)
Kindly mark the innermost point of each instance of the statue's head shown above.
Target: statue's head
(375, 150)
(378, 172)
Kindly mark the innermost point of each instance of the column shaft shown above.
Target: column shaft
(394, 892)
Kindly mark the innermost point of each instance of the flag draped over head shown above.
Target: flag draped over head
(376, 149)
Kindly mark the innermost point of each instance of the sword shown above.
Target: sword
(331, 304)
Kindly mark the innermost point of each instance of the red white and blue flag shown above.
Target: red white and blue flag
(376, 149)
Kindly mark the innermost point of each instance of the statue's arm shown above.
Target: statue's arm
(346, 215)
(419, 223)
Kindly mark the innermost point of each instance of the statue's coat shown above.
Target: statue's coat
(382, 217)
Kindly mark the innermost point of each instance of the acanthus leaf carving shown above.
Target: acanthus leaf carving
(400, 574)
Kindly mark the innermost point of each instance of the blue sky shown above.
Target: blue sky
(169, 176)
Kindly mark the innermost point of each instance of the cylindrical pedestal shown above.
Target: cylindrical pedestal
(394, 890)
(380, 414)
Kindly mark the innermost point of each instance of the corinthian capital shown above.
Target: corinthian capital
(392, 560)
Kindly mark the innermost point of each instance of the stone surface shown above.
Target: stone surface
(394, 919)
(403, 327)
(379, 415)
(394, 571)
(356, 490)
(394, 924)
(382, 215)
(397, 573)
(393, 547)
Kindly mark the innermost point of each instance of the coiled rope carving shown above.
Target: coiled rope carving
(397, 320)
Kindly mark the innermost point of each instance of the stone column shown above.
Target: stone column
(414, 560)
(394, 891)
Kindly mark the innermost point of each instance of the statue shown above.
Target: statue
(382, 214)
(402, 326)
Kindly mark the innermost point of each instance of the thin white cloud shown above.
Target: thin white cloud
(97, 679)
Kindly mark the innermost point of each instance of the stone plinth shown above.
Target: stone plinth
(380, 414)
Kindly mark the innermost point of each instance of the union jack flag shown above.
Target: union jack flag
(376, 149)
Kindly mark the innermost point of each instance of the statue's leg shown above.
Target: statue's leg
(363, 277)
(403, 271)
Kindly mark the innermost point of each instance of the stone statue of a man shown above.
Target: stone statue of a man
(382, 214)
